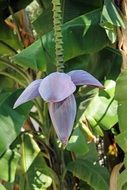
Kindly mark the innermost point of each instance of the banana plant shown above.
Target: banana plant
(62, 108)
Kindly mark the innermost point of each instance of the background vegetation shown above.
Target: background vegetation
(94, 36)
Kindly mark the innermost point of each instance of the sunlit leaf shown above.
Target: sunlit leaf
(77, 142)
(39, 176)
(104, 113)
(8, 164)
(122, 140)
(2, 187)
(30, 150)
(110, 19)
(125, 160)
(11, 120)
(94, 175)
(121, 97)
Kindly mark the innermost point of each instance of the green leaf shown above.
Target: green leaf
(78, 32)
(122, 140)
(110, 15)
(125, 160)
(77, 142)
(122, 110)
(110, 19)
(104, 113)
(121, 97)
(2, 65)
(92, 155)
(9, 42)
(30, 150)
(39, 176)
(95, 3)
(11, 120)
(96, 176)
(103, 64)
(112, 34)
(2, 187)
(122, 180)
(6, 83)
(32, 57)
(44, 22)
(4, 96)
(8, 164)
(121, 87)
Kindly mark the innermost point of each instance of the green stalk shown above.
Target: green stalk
(32, 115)
(12, 77)
(59, 53)
(7, 63)
(63, 168)
(39, 110)
(8, 47)
(23, 162)
(57, 24)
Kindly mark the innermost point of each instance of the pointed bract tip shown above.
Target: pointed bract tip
(64, 142)
(62, 116)
(15, 105)
(101, 86)
(80, 77)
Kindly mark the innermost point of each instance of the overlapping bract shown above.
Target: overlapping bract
(57, 89)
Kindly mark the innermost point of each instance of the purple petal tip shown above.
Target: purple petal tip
(80, 77)
(15, 106)
(63, 115)
(29, 93)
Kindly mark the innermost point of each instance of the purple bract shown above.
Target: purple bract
(57, 89)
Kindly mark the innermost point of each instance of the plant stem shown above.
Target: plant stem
(63, 170)
(12, 77)
(8, 46)
(23, 161)
(7, 63)
(57, 24)
(34, 118)
(39, 110)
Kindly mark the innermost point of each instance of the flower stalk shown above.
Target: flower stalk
(57, 24)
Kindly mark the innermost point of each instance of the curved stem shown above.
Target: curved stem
(7, 63)
(34, 118)
(12, 77)
(57, 23)
(24, 162)
(8, 46)
(39, 110)
(63, 170)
